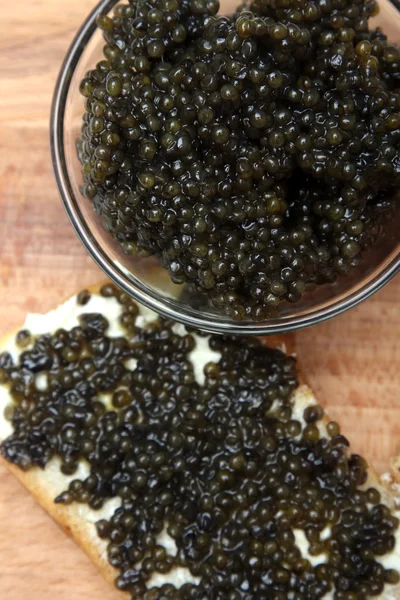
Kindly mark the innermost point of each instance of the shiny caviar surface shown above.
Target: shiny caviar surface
(228, 467)
(255, 155)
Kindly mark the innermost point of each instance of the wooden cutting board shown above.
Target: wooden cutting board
(352, 362)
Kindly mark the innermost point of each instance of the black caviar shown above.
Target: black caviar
(253, 154)
(224, 467)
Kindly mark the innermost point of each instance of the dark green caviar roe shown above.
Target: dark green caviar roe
(253, 154)
(224, 467)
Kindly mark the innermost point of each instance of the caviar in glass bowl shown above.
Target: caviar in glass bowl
(243, 169)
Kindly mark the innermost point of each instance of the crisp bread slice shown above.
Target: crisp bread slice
(78, 521)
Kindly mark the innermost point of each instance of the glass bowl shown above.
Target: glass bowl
(143, 278)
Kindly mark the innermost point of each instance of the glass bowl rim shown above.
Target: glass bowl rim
(150, 298)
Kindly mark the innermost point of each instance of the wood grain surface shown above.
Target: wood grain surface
(352, 362)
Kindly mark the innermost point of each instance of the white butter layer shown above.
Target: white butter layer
(201, 355)
(66, 316)
(303, 399)
(164, 539)
(392, 559)
(302, 543)
(178, 576)
(55, 478)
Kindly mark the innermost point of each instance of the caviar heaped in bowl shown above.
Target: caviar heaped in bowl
(243, 170)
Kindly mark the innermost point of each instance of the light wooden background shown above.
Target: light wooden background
(353, 362)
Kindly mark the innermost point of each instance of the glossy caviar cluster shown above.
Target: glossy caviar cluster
(230, 469)
(253, 154)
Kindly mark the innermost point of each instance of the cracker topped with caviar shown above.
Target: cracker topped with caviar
(190, 466)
